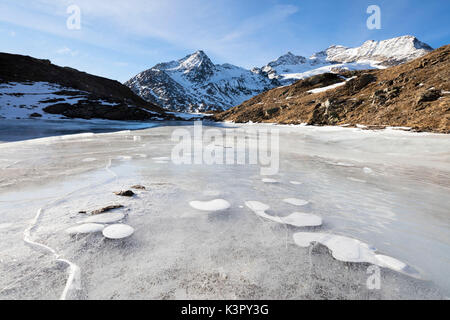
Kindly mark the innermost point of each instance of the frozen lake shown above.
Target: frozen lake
(388, 188)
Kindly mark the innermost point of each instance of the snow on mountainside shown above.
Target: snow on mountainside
(371, 55)
(196, 84)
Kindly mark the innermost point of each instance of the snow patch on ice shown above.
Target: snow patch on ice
(296, 219)
(118, 231)
(213, 205)
(352, 250)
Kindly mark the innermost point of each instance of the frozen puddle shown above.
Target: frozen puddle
(211, 206)
(296, 219)
(352, 250)
(86, 229)
(105, 218)
(296, 202)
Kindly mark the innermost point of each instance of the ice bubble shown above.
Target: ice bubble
(296, 182)
(161, 159)
(356, 180)
(86, 228)
(367, 170)
(118, 231)
(124, 158)
(343, 164)
(213, 205)
(296, 202)
(267, 180)
(106, 218)
(352, 250)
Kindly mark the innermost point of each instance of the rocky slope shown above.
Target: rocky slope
(194, 83)
(415, 94)
(31, 87)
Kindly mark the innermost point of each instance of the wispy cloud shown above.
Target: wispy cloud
(67, 51)
(254, 24)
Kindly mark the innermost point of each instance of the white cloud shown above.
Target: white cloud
(67, 51)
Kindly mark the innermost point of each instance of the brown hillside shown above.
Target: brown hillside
(415, 94)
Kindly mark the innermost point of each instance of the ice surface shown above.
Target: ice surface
(402, 209)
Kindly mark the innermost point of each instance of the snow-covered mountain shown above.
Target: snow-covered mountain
(194, 83)
(371, 55)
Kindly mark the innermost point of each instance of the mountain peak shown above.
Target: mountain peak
(195, 60)
(288, 59)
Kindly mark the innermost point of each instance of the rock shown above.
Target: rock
(360, 82)
(35, 115)
(127, 193)
(106, 209)
(272, 112)
(429, 95)
(138, 187)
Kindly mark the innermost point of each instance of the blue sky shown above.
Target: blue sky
(118, 39)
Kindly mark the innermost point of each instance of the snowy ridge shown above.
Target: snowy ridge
(371, 55)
